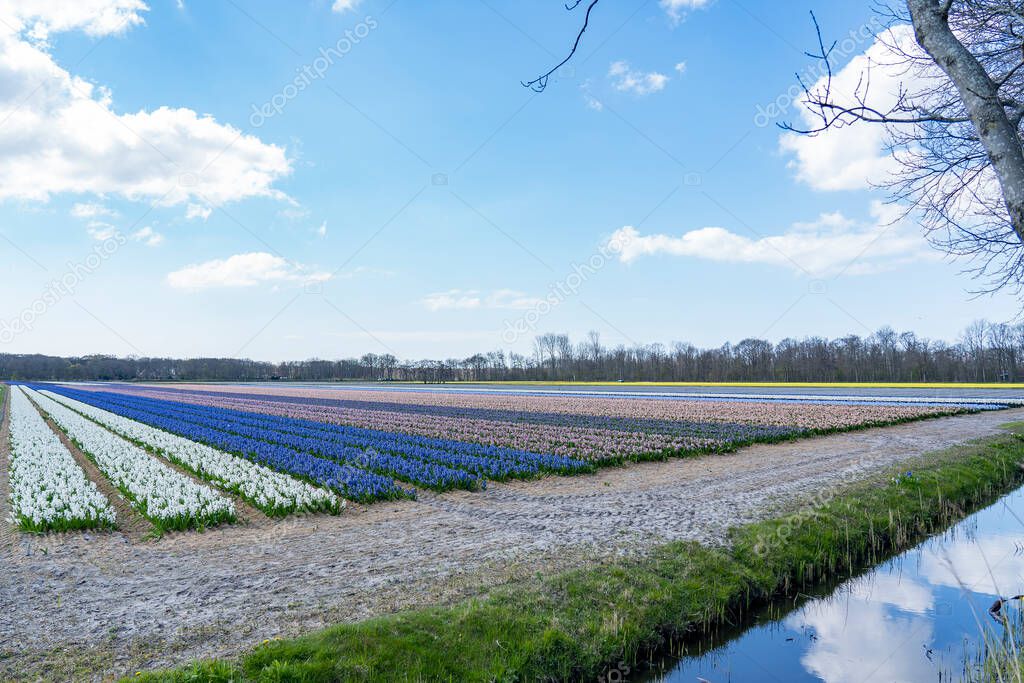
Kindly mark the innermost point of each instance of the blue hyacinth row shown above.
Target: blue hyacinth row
(352, 482)
(439, 464)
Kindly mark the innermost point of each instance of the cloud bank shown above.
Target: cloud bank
(830, 245)
(60, 133)
(243, 270)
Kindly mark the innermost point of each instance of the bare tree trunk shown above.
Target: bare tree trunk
(980, 96)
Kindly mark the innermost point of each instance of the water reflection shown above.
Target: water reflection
(918, 617)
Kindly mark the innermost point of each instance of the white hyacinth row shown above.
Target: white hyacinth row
(49, 491)
(166, 497)
(270, 491)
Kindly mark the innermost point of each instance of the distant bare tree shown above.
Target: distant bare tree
(985, 352)
(593, 345)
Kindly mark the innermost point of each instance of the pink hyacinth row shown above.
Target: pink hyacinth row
(802, 415)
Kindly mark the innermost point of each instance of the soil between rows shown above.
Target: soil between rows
(129, 522)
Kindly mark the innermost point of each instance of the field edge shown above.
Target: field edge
(582, 623)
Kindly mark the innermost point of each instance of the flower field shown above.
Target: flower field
(593, 429)
(183, 455)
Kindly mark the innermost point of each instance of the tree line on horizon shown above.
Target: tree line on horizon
(985, 352)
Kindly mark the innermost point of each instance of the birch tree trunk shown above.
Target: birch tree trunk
(980, 95)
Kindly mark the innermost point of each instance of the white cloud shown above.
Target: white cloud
(61, 133)
(453, 299)
(626, 79)
(830, 245)
(98, 230)
(193, 211)
(680, 67)
(148, 236)
(293, 213)
(37, 19)
(363, 271)
(987, 565)
(321, 232)
(677, 9)
(91, 210)
(471, 299)
(853, 157)
(841, 653)
(243, 270)
(345, 5)
(902, 592)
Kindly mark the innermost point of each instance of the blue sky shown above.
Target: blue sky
(199, 192)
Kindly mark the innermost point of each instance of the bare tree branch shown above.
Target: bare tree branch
(955, 133)
(541, 82)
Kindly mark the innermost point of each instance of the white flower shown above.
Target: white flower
(168, 498)
(270, 491)
(49, 491)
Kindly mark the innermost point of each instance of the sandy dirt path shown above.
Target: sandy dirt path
(124, 603)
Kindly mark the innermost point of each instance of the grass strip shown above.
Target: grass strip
(578, 624)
